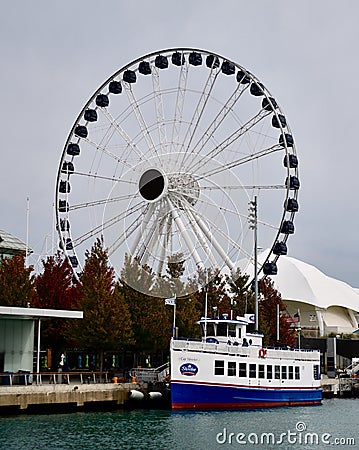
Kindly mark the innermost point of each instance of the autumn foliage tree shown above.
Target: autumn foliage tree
(55, 291)
(16, 282)
(106, 324)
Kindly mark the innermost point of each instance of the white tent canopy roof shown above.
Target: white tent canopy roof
(299, 281)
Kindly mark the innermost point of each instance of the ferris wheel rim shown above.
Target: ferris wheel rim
(277, 111)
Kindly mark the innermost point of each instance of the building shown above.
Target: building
(322, 305)
(17, 331)
(11, 245)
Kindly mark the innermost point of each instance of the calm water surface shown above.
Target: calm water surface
(334, 424)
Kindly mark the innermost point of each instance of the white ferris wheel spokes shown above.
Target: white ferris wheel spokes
(163, 161)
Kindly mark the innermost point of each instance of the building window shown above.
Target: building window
(277, 372)
(231, 369)
(261, 371)
(242, 370)
(269, 372)
(252, 370)
(290, 372)
(219, 367)
(297, 373)
(284, 372)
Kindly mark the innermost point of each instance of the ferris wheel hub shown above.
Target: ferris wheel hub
(152, 185)
(185, 188)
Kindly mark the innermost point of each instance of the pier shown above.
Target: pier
(65, 392)
(340, 387)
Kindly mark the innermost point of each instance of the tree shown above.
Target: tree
(16, 282)
(150, 317)
(211, 284)
(55, 291)
(106, 324)
(268, 316)
(242, 297)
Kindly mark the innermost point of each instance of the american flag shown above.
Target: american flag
(294, 319)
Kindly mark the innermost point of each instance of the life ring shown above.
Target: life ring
(262, 353)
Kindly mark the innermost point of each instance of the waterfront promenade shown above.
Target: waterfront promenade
(71, 395)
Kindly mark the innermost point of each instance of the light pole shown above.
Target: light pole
(253, 225)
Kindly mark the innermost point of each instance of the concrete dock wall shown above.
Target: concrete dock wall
(81, 395)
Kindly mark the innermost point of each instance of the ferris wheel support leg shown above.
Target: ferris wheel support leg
(200, 236)
(214, 242)
(186, 236)
(165, 244)
(155, 232)
(148, 242)
(143, 227)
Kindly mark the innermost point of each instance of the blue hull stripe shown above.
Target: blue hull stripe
(191, 395)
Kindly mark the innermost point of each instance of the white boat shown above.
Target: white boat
(230, 369)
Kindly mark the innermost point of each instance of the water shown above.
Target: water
(333, 424)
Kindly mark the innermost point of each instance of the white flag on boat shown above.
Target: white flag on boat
(250, 317)
(170, 301)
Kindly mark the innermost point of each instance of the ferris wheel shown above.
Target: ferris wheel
(165, 160)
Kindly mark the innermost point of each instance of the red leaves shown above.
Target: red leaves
(16, 282)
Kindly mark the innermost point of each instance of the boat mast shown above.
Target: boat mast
(206, 307)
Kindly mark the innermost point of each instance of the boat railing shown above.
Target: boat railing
(252, 350)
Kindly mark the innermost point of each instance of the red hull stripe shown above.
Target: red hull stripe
(251, 405)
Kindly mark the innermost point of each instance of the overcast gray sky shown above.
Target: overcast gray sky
(54, 55)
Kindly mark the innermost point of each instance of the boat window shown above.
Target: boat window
(277, 372)
(269, 372)
(316, 372)
(231, 369)
(252, 370)
(284, 372)
(242, 370)
(219, 367)
(261, 371)
(210, 329)
(297, 373)
(290, 372)
(232, 330)
(221, 329)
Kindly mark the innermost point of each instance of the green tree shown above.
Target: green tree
(270, 298)
(16, 282)
(106, 324)
(150, 317)
(241, 295)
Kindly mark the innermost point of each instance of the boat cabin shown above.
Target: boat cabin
(229, 331)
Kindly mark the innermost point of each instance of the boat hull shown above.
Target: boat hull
(205, 396)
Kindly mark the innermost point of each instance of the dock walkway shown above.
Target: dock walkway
(67, 396)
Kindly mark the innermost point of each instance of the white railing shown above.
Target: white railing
(251, 351)
(25, 378)
(149, 375)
